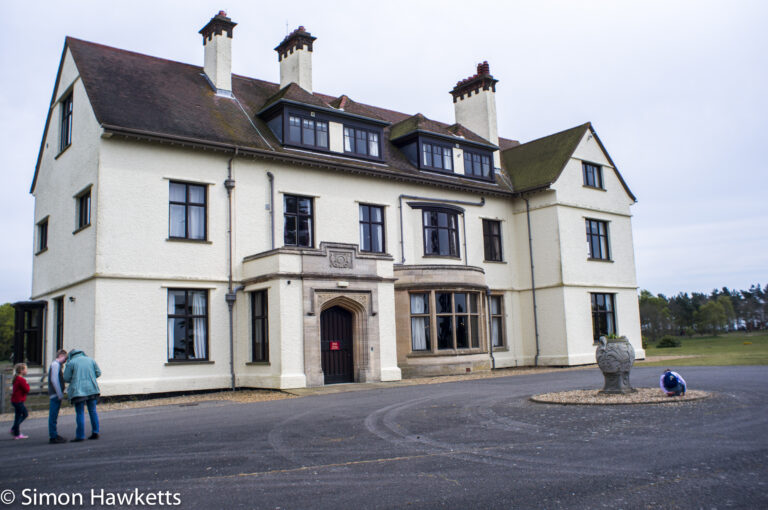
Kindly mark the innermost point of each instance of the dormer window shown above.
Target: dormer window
(362, 142)
(308, 132)
(436, 157)
(477, 165)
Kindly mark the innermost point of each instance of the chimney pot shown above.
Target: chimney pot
(295, 56)
(223, 13)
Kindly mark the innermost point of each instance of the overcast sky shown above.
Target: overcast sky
(677, 91)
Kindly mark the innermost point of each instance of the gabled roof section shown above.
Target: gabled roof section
(538, 164)
(293, 92)
(419, 122)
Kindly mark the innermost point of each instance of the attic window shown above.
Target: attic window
(361, 141)
(437, 157)
(66, 122)
(477, 165)
(593, 175)
(308, 132)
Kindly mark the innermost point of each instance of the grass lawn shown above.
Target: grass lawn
(729, 349)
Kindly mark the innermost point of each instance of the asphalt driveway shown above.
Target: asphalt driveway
(471, 444)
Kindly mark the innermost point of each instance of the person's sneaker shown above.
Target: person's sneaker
(57, 440)
(93, 436)
(77, 440)
(21, 436)
(12, 432)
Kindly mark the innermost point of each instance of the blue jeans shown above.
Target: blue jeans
(20, 415)
(53, 417)
(80, 417)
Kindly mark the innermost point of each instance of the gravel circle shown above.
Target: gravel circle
(593, 397)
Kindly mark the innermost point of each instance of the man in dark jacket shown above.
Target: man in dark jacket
(56, 395)
(81, 374)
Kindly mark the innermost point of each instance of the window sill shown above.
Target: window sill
(80, 229)
(258, 363)
(454, 257)
(593, 187)
(62, 151)
(600, 260)
(189, 362)
(445, 352)
(494, 261)
(41, 251)
(501, 348)
(185, 240)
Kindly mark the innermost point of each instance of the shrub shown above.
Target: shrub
(668, 341)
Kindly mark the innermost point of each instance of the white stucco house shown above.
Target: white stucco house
(197, 230)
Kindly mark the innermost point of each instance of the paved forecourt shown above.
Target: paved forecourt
(470, 444)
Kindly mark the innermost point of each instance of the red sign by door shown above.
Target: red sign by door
(335, 346)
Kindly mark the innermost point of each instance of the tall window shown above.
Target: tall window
(436, 156)
(83, 209)
(187, 325)
(478, 165)
(456, 320)
(58, 310)
(420, 319)
(187, 217)
(298, 221)
(603, 315)
(66, 122)
(306, 131)
(593, 175)
(361, 141)
(371, 228)
(259, 326)
(597, 239)
(42, 235)
(441, 233)
(497, 321)
(492, 240)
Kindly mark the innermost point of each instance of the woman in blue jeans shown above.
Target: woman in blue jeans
(81, 374)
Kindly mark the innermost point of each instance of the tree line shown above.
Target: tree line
(699, 313)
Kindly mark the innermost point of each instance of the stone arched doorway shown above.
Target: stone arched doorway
(336, 345)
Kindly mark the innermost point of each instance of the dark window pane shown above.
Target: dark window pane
(460, 302)
(444, 242)
(377, 238)
(443, 302)
(445, 332)
(365, 237)
(196, 225)
(349, 140)
(178, 192)
(290, 204)
(290, 231)
(305, 232)
(365, 213)
(376, 215)
(361, 142)
(294, 129)
(473, 321)
(305, 205)
(462, 338)
(308, 132)
(496, 331)
(427, 154)
(322, 134)
(196, 194)
(473, 303)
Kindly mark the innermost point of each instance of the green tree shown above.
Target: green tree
(727, 304)
(654, 314)
(681, 310)
(711, 317)
(6, 331)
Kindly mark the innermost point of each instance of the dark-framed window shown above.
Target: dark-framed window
(455, 319)
(298, 221)
(42, 235)
(66, 122)
(307, 131)
(438, 157)
(259, 326)
(492, 240)
(187, 211)
(372, 228)
(603, 315)
(187, 325)
(593, 175)
(362, 141)
(83, 209)
(420, 320)
(597, 239)
(58, 331)
(477, 165)
(496, 304)
(441, 233)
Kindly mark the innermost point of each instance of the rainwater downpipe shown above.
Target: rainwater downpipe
(271, 209)
(533, 282)
(437, 200)
(231, 296)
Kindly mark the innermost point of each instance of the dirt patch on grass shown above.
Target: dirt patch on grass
(593, 397)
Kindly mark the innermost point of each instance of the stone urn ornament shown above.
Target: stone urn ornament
(615, 357)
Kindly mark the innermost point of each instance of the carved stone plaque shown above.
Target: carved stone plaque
(341, 259)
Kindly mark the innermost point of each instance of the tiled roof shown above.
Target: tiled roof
(419, 122)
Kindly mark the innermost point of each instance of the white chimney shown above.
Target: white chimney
(295, 57)
(217, 40)
(474, 100)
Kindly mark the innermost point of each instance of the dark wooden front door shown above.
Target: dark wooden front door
(28, 332)
(336, 345)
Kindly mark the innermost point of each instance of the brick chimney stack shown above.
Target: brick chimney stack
(295, 56)
(474, 101)
(217, 40)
